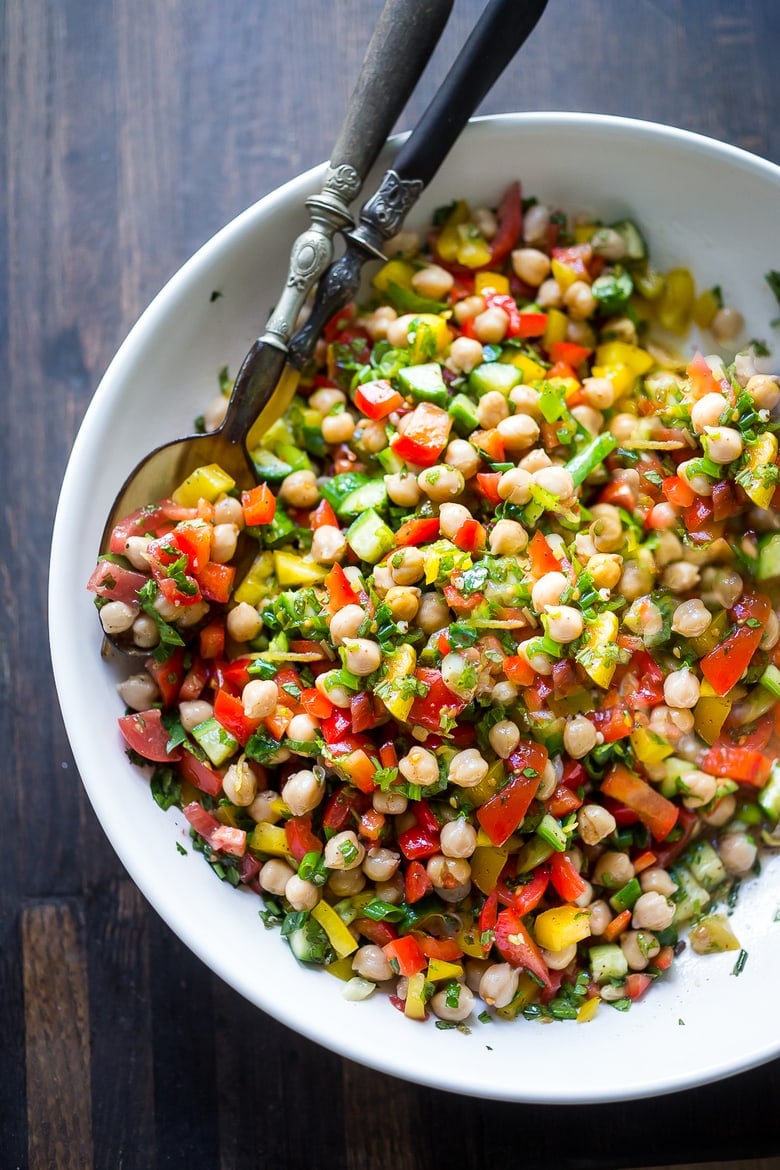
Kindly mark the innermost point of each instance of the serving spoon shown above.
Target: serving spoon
(501, 30)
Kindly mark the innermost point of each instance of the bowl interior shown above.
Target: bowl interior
(683, 190)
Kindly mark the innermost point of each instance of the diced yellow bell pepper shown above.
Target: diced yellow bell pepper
(419, 350)
(621, 377)
(561, 926)
(761, 454)
(486, 864)
(583, 232)
(400, 667)
(204, 483)
(473, 249)
(564, 275)
(290, 569)
(259, 581)
(676, 301)
(649, 748)
(226, 815)
(481, 792)
(588, 1010)
(270, 839)
(703, 643)
(414, 1006)
(342, 969)
(491, 280)
(623, 353)
(340, 936)
(713, 935)
(556, 327)
(527, 992)
(396, 271)
(600, 660)
(468, 940)
(433, 554)
(705, 307)
(531, 370)
(710, 713)
(438, 970)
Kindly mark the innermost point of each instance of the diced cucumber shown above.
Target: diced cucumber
(494, 376)
(277, 435)
(424, 383)
(705, 865)
(769, 558)
(310, 944)
(607, 961)
(464, 415)
(218, 744)
(369, 537)
(675, 770)
(389, 462)
(636, 247)
(269, 467)
(690, 899)
(298, 459)
(626, 896)
(337, 489)
(770, 680)
(769, 796)
(551, 832)
(279, 532)
(368, 495)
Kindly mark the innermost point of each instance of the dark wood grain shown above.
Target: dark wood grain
(131, 131)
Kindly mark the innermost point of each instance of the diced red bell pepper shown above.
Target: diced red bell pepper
(489, 443)
(678, 491)
(510, 224)
(419, 531)
(543, 559)
(340, 592)
(487, 486)
(422, 838)
(372, 825)
(200, 775)
(516, 946)
(229, 712)
(145, 733)
(458, 601)
(524, 896)
(259, 505)
(567, 881)
(745, 764)
(211, 639)
(315, 704)
(698, 515)
(571, 353)
(488, 916)
(426, 711)
(518, 671)
(724, 666)
(614, 723)
(343, 806)
(223, 838)
(300, 839)
(563, 801)
(361, 709)
(322, 516)
(446, 949)
(504, 812)
(416, 882)
(234, 675)
(378, 399)
(406, 955)
(216, 581)
(358, 769)
(528, 757)
(425, 436)
(336, 725)
(637, 984)
(702, 379)
(724, 501)
(471, 537)
(379, 933)
(194, 540)
(168, 675)
(388, 756)
(657, 813)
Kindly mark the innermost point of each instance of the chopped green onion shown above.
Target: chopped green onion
(589, 458)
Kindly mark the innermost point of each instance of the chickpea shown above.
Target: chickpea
(515, 486)
(737, 852)
(504, 693)
(145, 632)
(243, 622)
(465, 355)
(404, 602)
(345, 883)
(556, 480)
(362, 656)
(600, 917)
(698, 787)
(462, 456)
(680, 577)
(444, 1011)
(519, 432)
(548, 294)
(380, 864)
(507, 538)
(265, 807)
(498, 984)
(723, 444)
(530, 265)
(224, 538)
(393, 803)
(721, 812)
(407, 566)
(607, 528)
(669, 549)
(300, 489)
(681, 688)
(559, 960)
(398, 331)
(451, 876)
(598, 393)
(771, 635)
(764, 389)
(117, 616)
(419, 766)
(190, 615)
(135, 551)
(467, 768)
(370, 963)
(370, 436)
(652, 912)
(139, 691)
(707, 411)
(468, 308)
(214, 414)
(727, 324)
(239, 783)
(392, 891)
(548, 590)
(700, 483)
(433, 281)
(326, 398)
(433, 614)
(403, 489)
(657, 880)
(490, 326)
(275, 875)
(344, 851)
(639, 947)
(605, 569)
(301, 895)
(458, 838)
(691, 618)
(338, 428)
(564, 623)
(727, 586)
(327, 685)
(536, 224)
(452, 517)
(491, 409)
(612, 869)
(345, 623)
(328, 544)
(526, 400)
(441, 483)
(579, 300)
(540, 663)
(579, 737)
(504, 737)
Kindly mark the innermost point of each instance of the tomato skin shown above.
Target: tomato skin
(703, 381)
(471, 537)
(345, 804)
(145, 733)
(516, 946)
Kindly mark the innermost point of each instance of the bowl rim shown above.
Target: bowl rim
(456, 1078)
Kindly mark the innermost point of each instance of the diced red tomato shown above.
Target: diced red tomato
(522, 896)
(567, 881)
(336, 725)
(223, 838)
(300, 839)
(563, 801)
(416, 882)
(571, 353)
(702, 379)
(378, 399)
(678, 491)
(724, 666)
(194, 680)
(724, 501)
(346, 804)
(340, 592)
(574, 256)
(516, 946)
(115, 582)
(543, 559)
(416, 532)
(614, 723)
(315, 704)
(406, 954)
(229, 712)
(259, 505)
(446, 949)
(379, 933)
(145, 733)
(149, 521)
(362, 712)
(200, 775)
(487, 486)
(657, 813)
(194, 540)
(322, 516)
(458, 601)
(510, 224)
(490, 443)
(216, 581)
(471, 537)
(426, 711)
(168, 675)
(425, 437)
(698, 515)
(518, 671)
(745, 764)
(637, 984)
(504, 812)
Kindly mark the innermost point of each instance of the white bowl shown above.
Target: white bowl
(705, 205)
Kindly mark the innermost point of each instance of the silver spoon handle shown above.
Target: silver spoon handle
(398, 51)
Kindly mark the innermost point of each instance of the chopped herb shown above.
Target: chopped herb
(739, 966)
(180, 848)
(215, 295)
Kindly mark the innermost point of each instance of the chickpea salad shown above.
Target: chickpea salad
(494, 712)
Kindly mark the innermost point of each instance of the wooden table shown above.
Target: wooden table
(133, 130)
